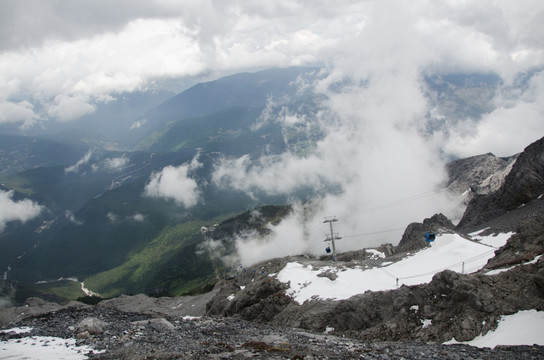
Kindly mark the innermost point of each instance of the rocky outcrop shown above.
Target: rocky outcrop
(413, 237)
(479, 174)
(453, 305)
(525, 244)
(524, 183)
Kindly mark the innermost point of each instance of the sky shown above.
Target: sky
(60, 60)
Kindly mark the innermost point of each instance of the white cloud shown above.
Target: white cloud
(81, 162)
(176, 184)
(112, 216)
(138, 217)
(68, 108)
(507, 130)
(69, 215)
(12, 210)
(116, 163)
(137, 124)
(18, 112)
(70, 62)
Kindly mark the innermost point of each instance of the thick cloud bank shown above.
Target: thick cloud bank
(22, 210)
(61, 60)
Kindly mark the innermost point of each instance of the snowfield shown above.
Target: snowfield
(448, 251)
(522, 328)
(42, 347)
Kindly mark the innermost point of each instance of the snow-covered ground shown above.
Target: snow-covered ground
(448, 251)
(41, 348)
(521, 328)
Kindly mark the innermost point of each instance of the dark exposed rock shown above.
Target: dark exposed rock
(260, 301)
(455, 305)
(413, 237)
(523, 184)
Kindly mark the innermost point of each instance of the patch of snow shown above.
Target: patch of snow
(414, 308)
(230, 297)
(498, 271)
(476, 233)
(328, 330)
(17, 330)
(88, 292)
(534, 260)
(188, 317)
(426, 323)
(522, 328)
(43, 348)
(375, 254)
(496, 240)
(385, 263)
(448, 251)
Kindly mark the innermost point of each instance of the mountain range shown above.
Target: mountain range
(103, 223)
(100, 222)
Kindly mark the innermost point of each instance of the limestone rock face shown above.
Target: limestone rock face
(479, 174)
(523, 184)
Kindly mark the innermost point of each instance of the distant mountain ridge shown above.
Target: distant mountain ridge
(244, 90)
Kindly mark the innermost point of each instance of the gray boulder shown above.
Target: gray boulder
(92, 325)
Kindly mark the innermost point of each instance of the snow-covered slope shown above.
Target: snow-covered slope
(522, 328)
(448, 251)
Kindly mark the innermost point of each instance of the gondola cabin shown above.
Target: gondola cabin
(429, 236)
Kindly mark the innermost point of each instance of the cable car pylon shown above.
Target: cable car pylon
(332, 237)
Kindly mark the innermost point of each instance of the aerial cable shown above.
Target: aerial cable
(374, 232)
(403, 201)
